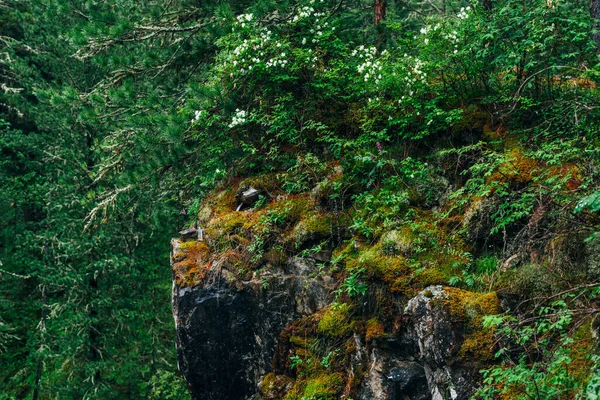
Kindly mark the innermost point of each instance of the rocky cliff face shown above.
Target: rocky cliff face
(278, 298)
(227, 330)
(235, 338)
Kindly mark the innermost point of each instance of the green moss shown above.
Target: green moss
(431, 276)
(205, 214)
(336, 320)
(389, 269)
(325, 387)
(275, 386)
(468, 306)
(530, 279)
(314, 227)
(467, 310)
(193, 246)
(290, 209)
(583, 345)
(267, 182)
(472, 119)
(396, 243)
(231, 222)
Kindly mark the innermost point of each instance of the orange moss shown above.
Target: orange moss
(194, 265)
(580, 351)
(275, 257)
(179, 256)
(467, 309)
(520, 168)
(479, 345)
(374, 330)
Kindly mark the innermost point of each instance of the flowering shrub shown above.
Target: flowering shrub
(238, 119)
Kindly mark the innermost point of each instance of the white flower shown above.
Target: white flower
(303, 40)
(248, 17)
(238, 119)
(197, 115)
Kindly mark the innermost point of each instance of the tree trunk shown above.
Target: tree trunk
(379, 7)
(595, 11)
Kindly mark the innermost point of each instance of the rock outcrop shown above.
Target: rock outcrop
(279, 302)
(228, 334)
(227, 329)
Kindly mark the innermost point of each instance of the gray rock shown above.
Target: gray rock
(250, 196)
(227, 330)
(228, 333)
(405, 376)
(323, 256)
(392, 372)
(189, 234)
(439, 342)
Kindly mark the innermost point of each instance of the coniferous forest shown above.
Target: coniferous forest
(395, 158)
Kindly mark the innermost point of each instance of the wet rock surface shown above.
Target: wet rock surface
(227, 330)
(228, 333)
(439, 341)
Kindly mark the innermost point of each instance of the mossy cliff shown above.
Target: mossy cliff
(304, 287)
